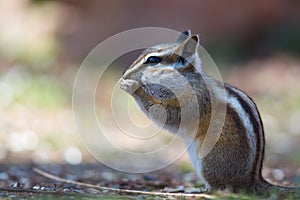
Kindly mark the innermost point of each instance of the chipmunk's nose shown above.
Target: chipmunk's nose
(132, 73)
(126, 74)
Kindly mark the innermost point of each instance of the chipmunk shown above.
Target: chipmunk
(236, 159)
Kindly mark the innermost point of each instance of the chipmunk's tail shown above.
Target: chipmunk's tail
(281, 192)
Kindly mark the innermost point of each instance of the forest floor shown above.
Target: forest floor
(22, 182)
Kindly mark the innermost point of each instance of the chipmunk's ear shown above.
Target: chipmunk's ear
(189, 47)
(183, 36)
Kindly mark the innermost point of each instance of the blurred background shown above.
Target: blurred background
(256, 45)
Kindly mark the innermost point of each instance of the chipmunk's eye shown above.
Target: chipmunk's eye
(153, 60)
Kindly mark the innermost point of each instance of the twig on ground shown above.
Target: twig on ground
(125, 191)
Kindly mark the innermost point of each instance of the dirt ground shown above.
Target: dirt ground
(21, 182)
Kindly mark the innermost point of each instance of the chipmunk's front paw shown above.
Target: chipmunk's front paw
(129, 85)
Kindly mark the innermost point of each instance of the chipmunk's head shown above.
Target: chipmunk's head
(163, 79)
(162, 62)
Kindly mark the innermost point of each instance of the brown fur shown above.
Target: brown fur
(227, 165)
(231, 150)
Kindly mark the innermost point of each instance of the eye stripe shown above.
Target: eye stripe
(181, 60)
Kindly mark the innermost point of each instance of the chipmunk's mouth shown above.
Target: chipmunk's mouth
(158, 91)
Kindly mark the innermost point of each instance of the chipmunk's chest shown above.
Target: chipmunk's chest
(165, 113)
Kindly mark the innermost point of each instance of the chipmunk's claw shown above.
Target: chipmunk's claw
(129, 85)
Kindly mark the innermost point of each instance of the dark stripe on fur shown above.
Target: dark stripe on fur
(257, 125)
